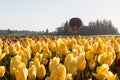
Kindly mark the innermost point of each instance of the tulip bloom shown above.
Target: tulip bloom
(53, 63)
(81, 63)
(59, 73)
(41, 71)
(2, 55)
(22, 74)
(92, 64)
(106, 58)
(2, 71)
(32, 72)
(111, 76)
(1, 43)
(71, 64)
(102, 72)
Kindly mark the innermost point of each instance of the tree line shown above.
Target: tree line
(98, 27)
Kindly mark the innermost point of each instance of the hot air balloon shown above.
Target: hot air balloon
(75, 23)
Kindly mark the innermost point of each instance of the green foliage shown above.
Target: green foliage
(6, 62)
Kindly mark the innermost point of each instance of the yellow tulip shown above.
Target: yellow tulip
(2, 71)
(1, 43)
(32, 43)
(68, 76)
(102, 57)
(59, 42)
(59, 73)
(99, 46)
(36, 62)
(111, 55)
(37, 47)
(17, 46)
(14, 63)
(21, 53)
(49, 54)
(32, 72)
(90, 48)
(25, 42)
(95, 47)
(2, 55)
(97, 39)
(22, 74)
(89, 55)
(73, 41)
(44, 60)
(103, 69)
(27, 53)
(52, 46)
(75, 52)
(17, 57)
(81, 63)
(41, 71)
(109, 61)
(102, 72)
(71, 64)
(105, 58)
(92, 64)
(39, 56)
(85, 43)
(116, 46)
(110, 48)
(111, 76)
(79, 48)
(44, 47)
(61, 47)
(24, 60)
(31, 63)
(53, 63)
(91, 40)
(0, 50)
(12, 49)
(69, 43)
(20, 66)
(6, 48)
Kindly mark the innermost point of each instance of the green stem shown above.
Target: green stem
(78, 76)
(82, 75)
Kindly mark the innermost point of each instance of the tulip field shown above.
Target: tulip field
(60, 58)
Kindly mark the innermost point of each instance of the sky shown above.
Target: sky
(38, 15)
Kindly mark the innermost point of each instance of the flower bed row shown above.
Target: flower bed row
(68, 58)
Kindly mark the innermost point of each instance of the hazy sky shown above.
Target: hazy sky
(38, 15)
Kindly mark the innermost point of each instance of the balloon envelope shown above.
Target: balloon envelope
(75, 23)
